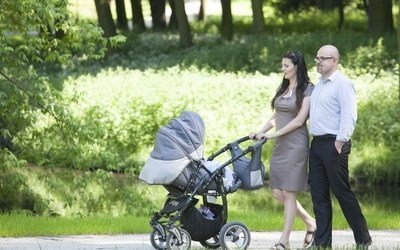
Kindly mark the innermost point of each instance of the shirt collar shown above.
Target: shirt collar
(331, 78)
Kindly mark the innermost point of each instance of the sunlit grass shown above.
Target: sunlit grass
(86, 9)
(269, 216)
(265, 215)
(20, 225)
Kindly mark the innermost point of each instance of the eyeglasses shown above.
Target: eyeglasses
(322, 58)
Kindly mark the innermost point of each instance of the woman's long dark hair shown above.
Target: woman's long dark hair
(303, 80)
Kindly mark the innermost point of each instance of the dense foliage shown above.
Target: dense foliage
(36, 33)
(82, 120)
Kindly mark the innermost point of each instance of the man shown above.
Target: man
(333, 115)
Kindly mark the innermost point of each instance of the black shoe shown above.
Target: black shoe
(365, 244)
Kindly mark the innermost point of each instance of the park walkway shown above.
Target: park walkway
(342, 239)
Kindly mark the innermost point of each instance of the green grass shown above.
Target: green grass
(256, 209)
(22, 225)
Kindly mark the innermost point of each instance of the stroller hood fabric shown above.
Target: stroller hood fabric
(175, 146)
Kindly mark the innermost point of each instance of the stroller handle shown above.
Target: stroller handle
(243, 139)
(256, 145)
(259, 143)
(253, 147)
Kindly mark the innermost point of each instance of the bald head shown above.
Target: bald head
(329, 50)
(327, 60)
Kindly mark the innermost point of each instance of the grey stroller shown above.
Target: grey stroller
(177, 163)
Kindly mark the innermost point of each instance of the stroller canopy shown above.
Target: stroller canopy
(176, 145)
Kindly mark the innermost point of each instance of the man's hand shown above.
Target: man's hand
(339, 145)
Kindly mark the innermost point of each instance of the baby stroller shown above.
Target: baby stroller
(177, 163)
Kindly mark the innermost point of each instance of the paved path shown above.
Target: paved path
(343, 240)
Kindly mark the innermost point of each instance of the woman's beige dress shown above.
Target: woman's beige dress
(288, 169)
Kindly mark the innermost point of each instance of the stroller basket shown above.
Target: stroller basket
(198, 225)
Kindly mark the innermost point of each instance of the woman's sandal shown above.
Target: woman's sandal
(307, 243)
(279, 246)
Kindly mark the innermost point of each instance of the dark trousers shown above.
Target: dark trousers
(328, 170)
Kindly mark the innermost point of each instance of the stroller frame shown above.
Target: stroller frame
(168, 233)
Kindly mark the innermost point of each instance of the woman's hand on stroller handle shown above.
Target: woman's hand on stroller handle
(257, 136)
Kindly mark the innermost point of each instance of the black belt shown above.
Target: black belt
(324, 137)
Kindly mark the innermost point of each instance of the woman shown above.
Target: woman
(288, 169)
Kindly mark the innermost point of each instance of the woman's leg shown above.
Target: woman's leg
(288, 199)
(306, 217)
(293, 208)
(309, 222)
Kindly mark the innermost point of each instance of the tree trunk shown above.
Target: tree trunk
(327, 5)
(122, 21)
(227, 21)
(202, 11)
(183, 23)
(173, 21)
(258, 17)
(341, 14)
(380, 17)
(137, 15)
(106, 21)
(157, 8)
(105, 18)
(398, 39)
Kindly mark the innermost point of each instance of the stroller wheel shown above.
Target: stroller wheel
(158, 241)
(211, 243)
(174, 244)
(234, 235)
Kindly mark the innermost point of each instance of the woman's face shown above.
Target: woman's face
(288, 69)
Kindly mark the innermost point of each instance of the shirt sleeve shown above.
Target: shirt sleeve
(348, 110)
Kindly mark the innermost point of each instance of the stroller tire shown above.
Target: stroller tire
(158, 241)
(211, 243)
(234, 235)
(174, 244)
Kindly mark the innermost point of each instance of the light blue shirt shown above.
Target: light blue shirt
(333, 107)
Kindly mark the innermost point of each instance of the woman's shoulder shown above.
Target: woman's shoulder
(309, 88)
(310, 85)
